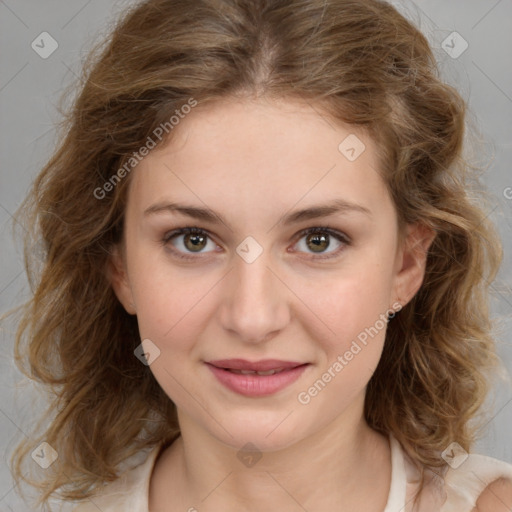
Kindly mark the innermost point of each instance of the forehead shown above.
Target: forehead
(259, 154)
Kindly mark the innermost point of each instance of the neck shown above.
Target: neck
(338, 467)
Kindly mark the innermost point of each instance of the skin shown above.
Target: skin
(497, 497)
(253, 161)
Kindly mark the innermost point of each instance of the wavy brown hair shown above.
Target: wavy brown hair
(356, 61)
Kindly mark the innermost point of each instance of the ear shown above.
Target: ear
(411, 261)
(118, 277)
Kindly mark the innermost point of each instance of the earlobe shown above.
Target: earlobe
(412, 259)
(118, 277)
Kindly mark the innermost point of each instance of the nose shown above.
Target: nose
(255, 307)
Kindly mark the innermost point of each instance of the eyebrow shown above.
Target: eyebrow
(313, 212)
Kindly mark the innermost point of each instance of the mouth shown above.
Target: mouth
(257, 378)
(254, 372)
(254, 366)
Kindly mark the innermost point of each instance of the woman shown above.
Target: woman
(265, 283)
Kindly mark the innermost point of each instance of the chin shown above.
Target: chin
(266, 432)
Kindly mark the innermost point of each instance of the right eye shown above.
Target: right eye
(188, 239)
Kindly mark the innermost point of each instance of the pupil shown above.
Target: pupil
(320, 242)
(196, 241)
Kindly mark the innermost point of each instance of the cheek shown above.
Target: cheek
(347, 305)
(355, 311)
(164, 293)
(172, 312)
(169, 308)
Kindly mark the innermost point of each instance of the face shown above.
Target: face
(256, 286)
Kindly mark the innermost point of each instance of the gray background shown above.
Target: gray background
(30, 87)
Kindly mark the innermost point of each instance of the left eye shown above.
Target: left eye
(318, 239)
(194, 240)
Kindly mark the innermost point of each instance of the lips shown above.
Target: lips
(255, 366)
(252, 372)
(257, 378)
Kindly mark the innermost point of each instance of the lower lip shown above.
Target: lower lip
(257, 385)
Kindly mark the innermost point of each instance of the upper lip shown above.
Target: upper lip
(257, 366)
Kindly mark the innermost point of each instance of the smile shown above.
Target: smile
(256, 379)
(253, 372)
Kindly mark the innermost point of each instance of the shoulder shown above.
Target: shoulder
(479, 483)
(496, 497)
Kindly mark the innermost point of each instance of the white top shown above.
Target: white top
(456, 491)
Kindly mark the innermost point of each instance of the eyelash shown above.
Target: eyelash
(338, 235)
